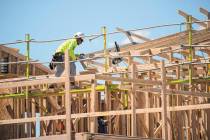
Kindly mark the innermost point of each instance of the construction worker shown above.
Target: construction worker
(102, 126)
(71, 45)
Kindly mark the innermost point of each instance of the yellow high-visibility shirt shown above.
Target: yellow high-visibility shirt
(70, 44)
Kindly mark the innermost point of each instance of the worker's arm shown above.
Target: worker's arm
(71, 54)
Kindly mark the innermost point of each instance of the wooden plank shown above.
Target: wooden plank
(164, 103)
(31, 82)
(128, 118)
(107, 113)
(93, 107)
(207, 13)
(127, 34)
(53, 137)
(67, 96)
(167, 41)
(176, 92)
(133, 102)
(140, 36)
(204, 11)
(133, 34)
(149, 117)
(108, 101)
(95, 136)
(158, 128)
(137, 81)
(185, 15)
(37, 81)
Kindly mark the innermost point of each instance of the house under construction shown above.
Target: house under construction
(161, 93)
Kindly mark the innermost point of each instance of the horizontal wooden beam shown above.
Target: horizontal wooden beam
(185, 15)
(137, 81)
(86, 135)
(140, 37)
(127, 34)
(98, 136)
(52, 137)
(107, 113)
(44, 80)
(176, 92)
(31, 82)
(204, 11)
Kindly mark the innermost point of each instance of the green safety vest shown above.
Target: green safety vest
(70, 44)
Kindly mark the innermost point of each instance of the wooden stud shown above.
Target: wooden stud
(207, 13)
(164, 103)
(133, 103)
(93, 107)
(67, 96)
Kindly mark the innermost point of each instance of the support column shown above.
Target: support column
(107, 64)
(133, 102)
(149, 116)
(27, 39)
(128, 105)
(67, 96)
(93, 107)
(1, 58)
(164, 103)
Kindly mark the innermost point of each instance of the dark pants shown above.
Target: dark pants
(60, 68)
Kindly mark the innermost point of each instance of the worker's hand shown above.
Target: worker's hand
(82, 56)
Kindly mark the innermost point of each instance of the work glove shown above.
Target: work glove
(116, 61)
(52, 65)
(82, 56)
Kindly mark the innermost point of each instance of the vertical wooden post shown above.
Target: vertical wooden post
(191, 55)
(18, 113)
(33, 111)
(108, 105)
(149, 117)
(164, 103)
(208, 112)
(208, 24)
(133, 102)
(34, 69)
(180, 125)
(81, 122)
(88, 110)
(27, 39)
(41, 113)
(128, 105)
(10, 65)
(107, 64)
(207, 14)
(93, 106)
(67, 96)
(105, 50)
(1, 57)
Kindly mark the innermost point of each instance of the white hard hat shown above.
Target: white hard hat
(79, 34)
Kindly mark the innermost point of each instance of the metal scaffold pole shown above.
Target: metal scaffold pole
(105, 49)
(27, 40)
(189, 28)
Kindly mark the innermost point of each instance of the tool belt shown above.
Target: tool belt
(57, 57)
